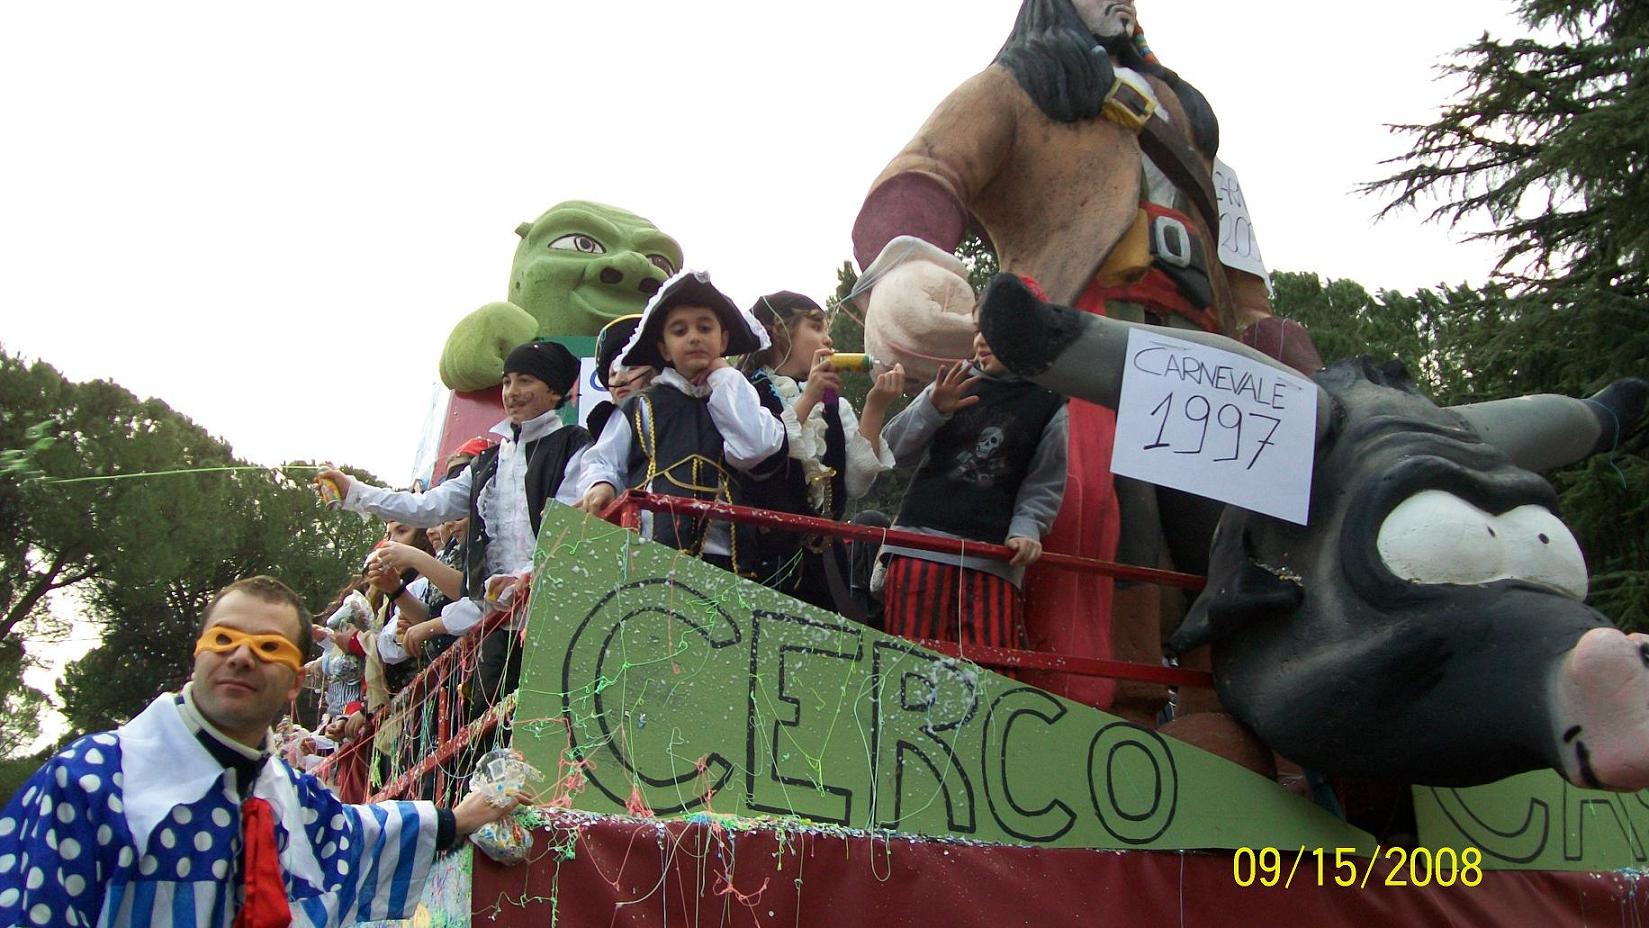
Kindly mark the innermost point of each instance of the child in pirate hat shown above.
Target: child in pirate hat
(619, 381)
(699, 430)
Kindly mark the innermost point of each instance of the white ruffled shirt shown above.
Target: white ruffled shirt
(807, 445)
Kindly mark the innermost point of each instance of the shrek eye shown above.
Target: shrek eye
(580, 243)
(662, 263)
(1437, 537)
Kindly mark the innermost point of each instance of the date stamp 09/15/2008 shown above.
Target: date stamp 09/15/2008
(1341, 866)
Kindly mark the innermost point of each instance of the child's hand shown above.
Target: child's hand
(422, 632)
(337, 478)
(354, 726)
(500, 587)
(384, 579)
(949, 388)
(1025, 550)
(820, 378)
(398, 557)
(596, 501)
(888, 385)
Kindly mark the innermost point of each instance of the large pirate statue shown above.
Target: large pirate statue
(1088, 166)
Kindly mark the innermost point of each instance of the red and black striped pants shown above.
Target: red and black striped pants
(926, 599)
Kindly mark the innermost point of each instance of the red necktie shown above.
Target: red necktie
(265, 903)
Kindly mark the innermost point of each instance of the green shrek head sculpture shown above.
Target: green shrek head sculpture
(578, 267)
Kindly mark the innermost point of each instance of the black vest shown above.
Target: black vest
(786, 489)
(435, 600)
(679, 444)
(967, 483)
(597, 419)
(546, 465)
(453, 556)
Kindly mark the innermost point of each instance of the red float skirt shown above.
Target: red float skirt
(1068, 611)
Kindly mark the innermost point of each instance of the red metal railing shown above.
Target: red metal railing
(626, 510)
(623, 509)
(348, 768)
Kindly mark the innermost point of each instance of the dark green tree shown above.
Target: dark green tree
(1549, 142)
(980, 259)
(259, 523)
(1433, 331)
(21, 706)
(141, 555)
(1439, 334)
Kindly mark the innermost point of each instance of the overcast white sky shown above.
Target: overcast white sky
(270, 216)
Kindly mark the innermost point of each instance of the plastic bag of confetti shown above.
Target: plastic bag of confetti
(505, 841)
(501, 774)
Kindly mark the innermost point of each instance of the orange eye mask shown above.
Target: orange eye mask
(271, 649)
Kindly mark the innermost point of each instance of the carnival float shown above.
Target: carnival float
(1390, 702)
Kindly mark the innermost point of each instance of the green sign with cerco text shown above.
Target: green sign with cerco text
(1538, 821)
(655, 683)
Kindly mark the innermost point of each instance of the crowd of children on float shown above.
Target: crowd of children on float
(772, 430)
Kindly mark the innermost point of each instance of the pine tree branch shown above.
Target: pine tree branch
(58, 575)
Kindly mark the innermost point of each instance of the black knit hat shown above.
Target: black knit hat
(548, 361)
(691, 288)
(610, 341)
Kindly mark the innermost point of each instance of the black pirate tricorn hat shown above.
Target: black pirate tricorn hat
(691, 288)
(610, 341)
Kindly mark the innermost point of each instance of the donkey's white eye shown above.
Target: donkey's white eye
(1437, 537)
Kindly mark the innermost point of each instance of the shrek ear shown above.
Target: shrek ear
(523, 229)
(1256, 594)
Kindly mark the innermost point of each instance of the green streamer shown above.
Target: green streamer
(172, 473)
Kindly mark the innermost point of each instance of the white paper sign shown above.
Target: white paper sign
(1239, 248)
(1214, 423)
(590, 391)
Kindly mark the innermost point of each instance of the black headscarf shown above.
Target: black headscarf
(548, 361)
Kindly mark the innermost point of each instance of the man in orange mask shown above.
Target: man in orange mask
(186, 815)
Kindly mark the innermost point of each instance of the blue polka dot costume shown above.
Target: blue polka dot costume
(142, 827)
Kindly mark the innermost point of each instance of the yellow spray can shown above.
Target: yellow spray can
(852, 363)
